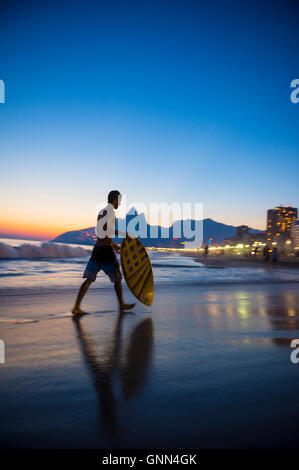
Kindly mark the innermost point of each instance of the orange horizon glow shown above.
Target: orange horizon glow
(35, 230)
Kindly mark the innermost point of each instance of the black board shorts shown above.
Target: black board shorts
(103, 258)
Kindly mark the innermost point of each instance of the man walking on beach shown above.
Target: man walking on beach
(103, 255)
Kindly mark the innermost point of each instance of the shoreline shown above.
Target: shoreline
(243, 262)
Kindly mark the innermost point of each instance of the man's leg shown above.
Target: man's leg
(119, 292)
(82, 291)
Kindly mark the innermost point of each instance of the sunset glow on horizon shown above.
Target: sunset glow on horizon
(33, 230)
(38, 224)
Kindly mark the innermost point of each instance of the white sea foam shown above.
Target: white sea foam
(45, 250)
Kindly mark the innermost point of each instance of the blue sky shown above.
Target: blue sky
(165, 101)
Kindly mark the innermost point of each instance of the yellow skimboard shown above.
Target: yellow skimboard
(137, 270)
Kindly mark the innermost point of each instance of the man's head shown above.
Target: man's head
(114, 198)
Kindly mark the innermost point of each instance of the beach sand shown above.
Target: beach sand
(204, 367)
(244, 261)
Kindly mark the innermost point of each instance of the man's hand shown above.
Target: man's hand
(116, 247)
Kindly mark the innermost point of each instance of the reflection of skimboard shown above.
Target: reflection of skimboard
(137, 270)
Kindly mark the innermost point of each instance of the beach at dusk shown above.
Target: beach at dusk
(149, 233)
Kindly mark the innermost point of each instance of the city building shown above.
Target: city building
(295, 232)
(279, 223)
(242, 233)
(244, 236)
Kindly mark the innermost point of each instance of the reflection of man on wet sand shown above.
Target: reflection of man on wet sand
(103, 255)
(132, 371)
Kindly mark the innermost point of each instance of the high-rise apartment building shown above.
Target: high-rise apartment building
(279, 223)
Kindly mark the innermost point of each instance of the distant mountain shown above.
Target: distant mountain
(219, 231)
(211, 229)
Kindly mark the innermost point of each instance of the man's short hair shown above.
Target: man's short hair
(113, 195)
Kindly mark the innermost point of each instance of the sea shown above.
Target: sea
(29, 264)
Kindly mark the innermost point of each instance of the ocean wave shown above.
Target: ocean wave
(225, 282)
(12, 274)
(176, 266)
(45, 250)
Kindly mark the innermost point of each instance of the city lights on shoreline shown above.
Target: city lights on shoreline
(240, 248)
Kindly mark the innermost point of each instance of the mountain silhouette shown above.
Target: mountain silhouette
(155, 235)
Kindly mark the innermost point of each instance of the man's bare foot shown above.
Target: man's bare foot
(78, 311)
(124, 307)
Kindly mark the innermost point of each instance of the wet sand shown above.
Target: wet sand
(204, 367)
(243, 262)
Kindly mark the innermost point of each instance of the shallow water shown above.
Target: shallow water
(206, 366)
(203, 367)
